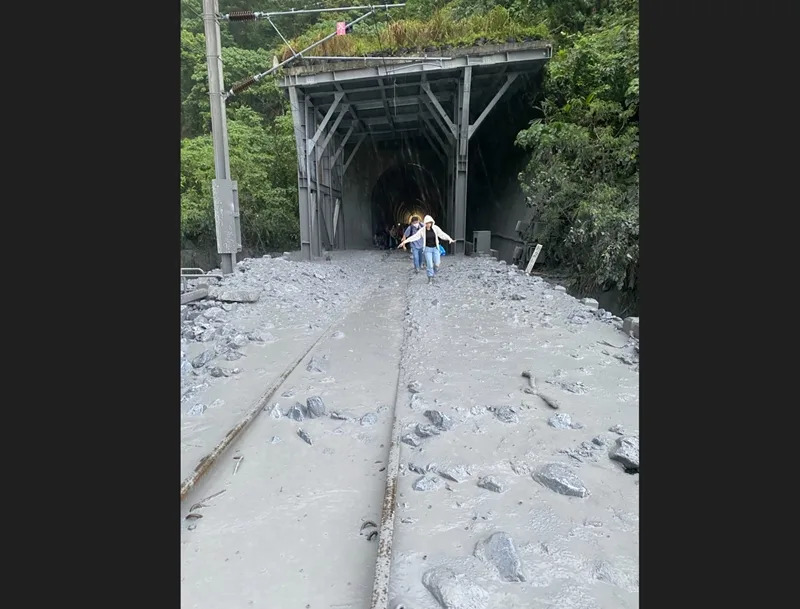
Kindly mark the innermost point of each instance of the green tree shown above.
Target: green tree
(583, 175)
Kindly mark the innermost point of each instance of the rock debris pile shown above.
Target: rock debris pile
(264, 299)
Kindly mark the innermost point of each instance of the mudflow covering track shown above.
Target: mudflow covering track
(501, 500)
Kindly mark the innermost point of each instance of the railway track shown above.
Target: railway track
(268, 517)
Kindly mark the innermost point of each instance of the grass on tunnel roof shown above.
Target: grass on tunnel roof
(409, 36)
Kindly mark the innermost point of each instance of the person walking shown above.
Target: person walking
(429, 235)
(416, 246)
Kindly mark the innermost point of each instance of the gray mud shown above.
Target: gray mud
(294, 525)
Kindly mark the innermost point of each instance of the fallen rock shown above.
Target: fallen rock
(590, 302)
(315, 365)
(416, 469)
(428, 482)
(456, 473)
(238, 341)
(202, 359)
(454, 591)
(441, 420)
(217, 372)
(315, 407)
(559, 478)
(562, 420)
(232, 356)
(410, 440)
(426, 431)
(498, 550)
(505, 413)
(415, 387)
(491, 483)
(297, 412)
(196, 410)
(213, 313)
(626, 451)
(559, 288)
(306, 438)
(369, 419)
(617, 429)
(236, 296)
(339, 416)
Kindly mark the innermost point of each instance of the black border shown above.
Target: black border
(99, 139)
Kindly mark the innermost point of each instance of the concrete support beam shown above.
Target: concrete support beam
(459, 221)
(303, 192)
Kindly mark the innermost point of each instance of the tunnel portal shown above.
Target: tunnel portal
(387, 139)
(404, 191)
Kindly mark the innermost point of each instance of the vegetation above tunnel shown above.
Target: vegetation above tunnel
(442, 29)
(582, 180)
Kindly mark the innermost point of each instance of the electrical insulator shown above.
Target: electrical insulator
(242, 85)
(242, 16)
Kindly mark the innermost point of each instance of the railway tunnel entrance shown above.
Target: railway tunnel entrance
(404, 191)
(391, 138)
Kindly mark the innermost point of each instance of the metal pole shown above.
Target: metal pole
(219, 128)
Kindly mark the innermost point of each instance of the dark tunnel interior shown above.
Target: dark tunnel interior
(407, 189)
(495, 160)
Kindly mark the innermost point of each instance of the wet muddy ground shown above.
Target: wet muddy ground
(502, 500)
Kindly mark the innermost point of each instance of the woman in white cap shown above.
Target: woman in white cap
(430, 236)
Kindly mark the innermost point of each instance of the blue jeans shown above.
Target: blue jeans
(432, 260)
(416, 256)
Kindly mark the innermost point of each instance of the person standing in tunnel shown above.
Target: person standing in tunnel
(429, 235)
(416, 246)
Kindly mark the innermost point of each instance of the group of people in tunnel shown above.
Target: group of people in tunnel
(424, 239)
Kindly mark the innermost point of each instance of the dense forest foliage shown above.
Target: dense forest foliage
(583, 176)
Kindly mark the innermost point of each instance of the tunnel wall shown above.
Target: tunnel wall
(362, 175)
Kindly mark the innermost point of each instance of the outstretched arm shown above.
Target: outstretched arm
(443, 235)
(413, 237)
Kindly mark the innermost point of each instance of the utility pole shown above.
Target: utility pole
(226, 210)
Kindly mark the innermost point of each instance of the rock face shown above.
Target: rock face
(454, 591)
(315, 407)
(561, 479)
(492, 483)
(626, 451)
(498, 550)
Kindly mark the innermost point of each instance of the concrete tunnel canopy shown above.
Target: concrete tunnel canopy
(378, 140)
